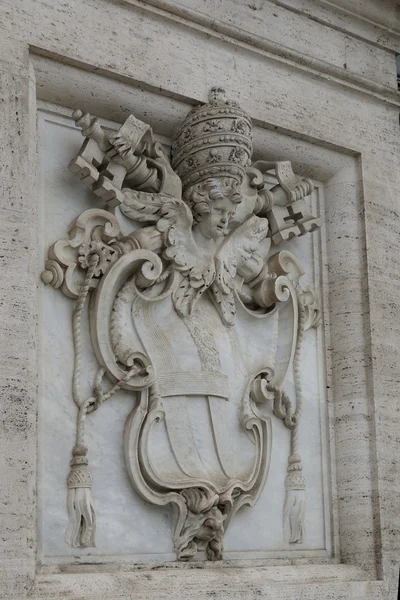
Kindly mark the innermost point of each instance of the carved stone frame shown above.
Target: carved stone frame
(341, 167)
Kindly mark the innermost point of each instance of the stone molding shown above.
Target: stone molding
(296, 59)
(201, 582)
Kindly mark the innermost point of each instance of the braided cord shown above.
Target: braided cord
(295, 419)
(80, 429)
(291, 418)
(76, 329)
(100, 396)
(296, 364)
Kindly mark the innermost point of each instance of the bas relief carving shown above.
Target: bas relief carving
(199, 312)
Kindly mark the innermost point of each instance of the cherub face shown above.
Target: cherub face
(215, 224)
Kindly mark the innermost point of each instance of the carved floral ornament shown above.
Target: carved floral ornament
(173, 306)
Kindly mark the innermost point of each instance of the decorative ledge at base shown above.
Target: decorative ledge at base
(198, 280)
(203, 581)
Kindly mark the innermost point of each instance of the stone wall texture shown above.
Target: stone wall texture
(321, 74)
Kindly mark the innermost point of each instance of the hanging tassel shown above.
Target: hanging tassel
(81, 514)
(295, 501)
(82, 518)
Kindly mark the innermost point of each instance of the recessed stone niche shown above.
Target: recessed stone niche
(128, 528)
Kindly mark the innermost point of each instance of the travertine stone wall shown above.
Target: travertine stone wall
(313, 75)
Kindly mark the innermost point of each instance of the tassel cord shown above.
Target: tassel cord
(294, 506)
(289, 416)
(100, 396)
(80, 429)
(292, 418)
(93, 403)
(82, 517)
(76, 329)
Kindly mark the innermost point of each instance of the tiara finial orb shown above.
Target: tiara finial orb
(217, 95)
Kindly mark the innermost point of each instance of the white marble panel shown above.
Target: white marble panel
(129, 529)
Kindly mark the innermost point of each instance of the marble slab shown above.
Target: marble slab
(129, 529)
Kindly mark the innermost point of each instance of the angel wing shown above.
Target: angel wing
(238, 254)
(174, 220)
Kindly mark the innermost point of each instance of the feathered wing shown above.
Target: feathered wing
(238, 254)
(174, 221)
(144, 207)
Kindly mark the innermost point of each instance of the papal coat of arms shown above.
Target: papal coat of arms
(197, 311)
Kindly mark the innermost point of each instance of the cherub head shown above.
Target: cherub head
(213, 203)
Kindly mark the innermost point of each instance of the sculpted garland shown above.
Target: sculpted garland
(194, 312)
